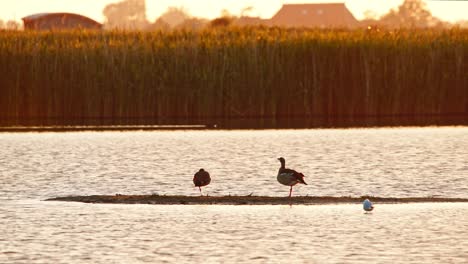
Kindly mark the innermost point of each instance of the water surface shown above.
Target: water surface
(400, 162)
(380, 162)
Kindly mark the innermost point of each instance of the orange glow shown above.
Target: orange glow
(451, 11)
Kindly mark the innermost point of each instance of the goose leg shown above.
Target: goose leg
(290, 191)
(200, 190)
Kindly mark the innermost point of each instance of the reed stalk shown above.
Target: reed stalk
(254, 77)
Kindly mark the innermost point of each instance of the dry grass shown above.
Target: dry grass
(249, 77)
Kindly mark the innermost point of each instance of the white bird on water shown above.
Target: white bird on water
(367, 205)
(289, 177)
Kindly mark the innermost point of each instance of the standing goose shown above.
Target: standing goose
(201, 178)
(289, 177)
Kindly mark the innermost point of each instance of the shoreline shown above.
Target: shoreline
(244, 200)
(14, 129)
(123, 128)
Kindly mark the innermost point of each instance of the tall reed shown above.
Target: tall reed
(237, 77)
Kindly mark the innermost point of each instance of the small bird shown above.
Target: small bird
(367, 205)
(201, 178)
(289, 177)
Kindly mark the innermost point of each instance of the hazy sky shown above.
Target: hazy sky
(16, 9)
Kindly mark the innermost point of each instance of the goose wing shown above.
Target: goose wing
(201, 178)
(289, 175)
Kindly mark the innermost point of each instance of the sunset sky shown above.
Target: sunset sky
(451, 11)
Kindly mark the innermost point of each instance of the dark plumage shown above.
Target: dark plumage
(289, 177)
(201, 178)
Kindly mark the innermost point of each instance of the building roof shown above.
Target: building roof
(35, 16)
(50, 15)
(314, 15)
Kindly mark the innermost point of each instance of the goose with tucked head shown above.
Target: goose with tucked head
(201, 178)
(289, 177)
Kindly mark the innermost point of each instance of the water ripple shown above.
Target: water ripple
(403, 162)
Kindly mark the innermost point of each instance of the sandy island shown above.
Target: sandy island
(243, 200)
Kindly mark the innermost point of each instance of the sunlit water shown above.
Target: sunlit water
(404, 162)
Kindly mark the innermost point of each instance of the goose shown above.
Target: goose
(289, 177)
(367, 205)
(201, 178)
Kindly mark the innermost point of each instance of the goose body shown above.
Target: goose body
(367, 205)
(289, 177)
(201, 178)
(286, 178)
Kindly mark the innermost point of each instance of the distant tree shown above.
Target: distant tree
(127, 14)
(221, 22)
(411, 13)
(370, 20)
(226, 13)
(462, 23)
(159, 24)
(12, 25)
(2, 24)
(246, 10)
(370, 15)
(175, 16)
(193, 24)
(226, 19)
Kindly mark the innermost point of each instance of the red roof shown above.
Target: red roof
(314, 15)
(62, 17)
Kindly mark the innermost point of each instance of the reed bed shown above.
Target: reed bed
(236, 78)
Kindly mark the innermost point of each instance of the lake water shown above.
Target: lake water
(397, 162)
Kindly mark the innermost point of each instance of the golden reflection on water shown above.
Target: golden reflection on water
(403, 162)
(76, 233)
